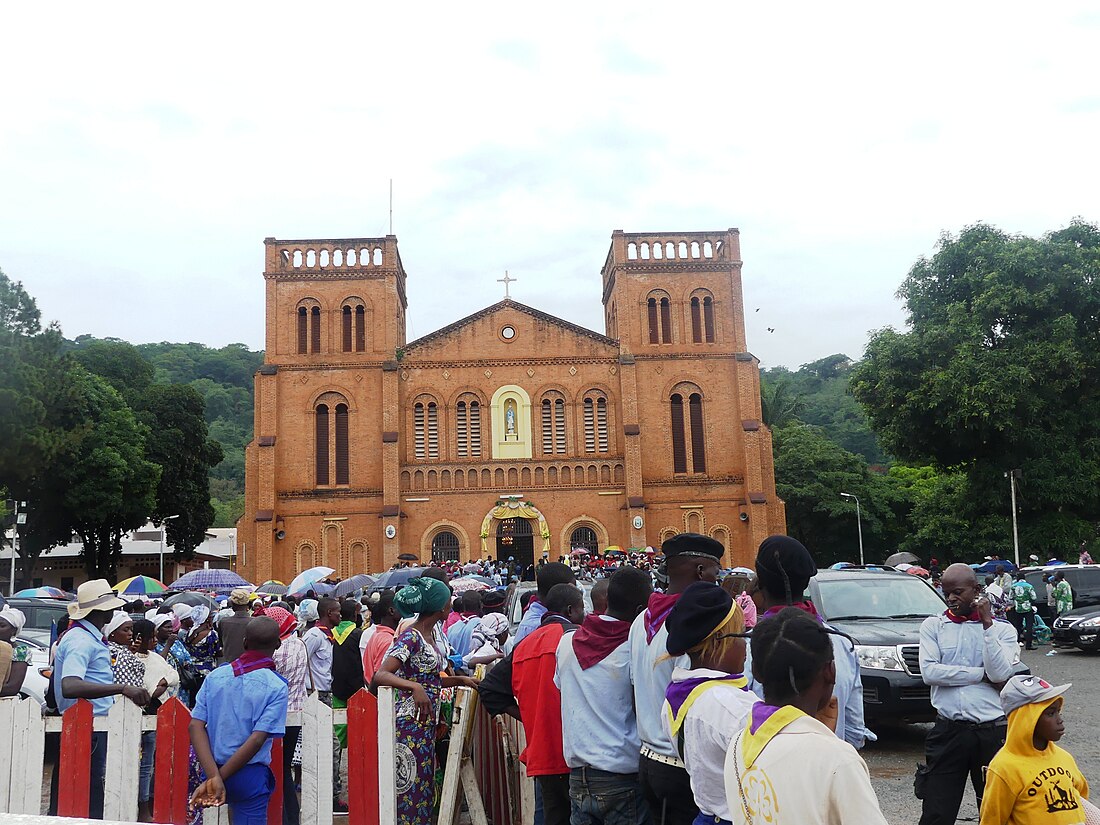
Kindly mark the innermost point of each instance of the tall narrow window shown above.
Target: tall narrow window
(419, 433)
(666, 321)
(589, 426)
(679, 453)
(433, 431)
(708, 318)
(698, 440)
(342, 461)
(315, 330)
(475, 429)
(346, 328)
(696, 323)
(601, 424)
(360, 329)
(322, 444)
(303, 330)
(547, 426)
(462, 432)
(559, 426)
(654, 328)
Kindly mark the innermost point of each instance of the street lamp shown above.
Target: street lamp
(1013, 476)
(859, 524)
(163, 530)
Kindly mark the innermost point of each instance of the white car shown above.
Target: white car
(37, 679)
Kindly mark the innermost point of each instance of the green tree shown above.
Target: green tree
(1000, 369)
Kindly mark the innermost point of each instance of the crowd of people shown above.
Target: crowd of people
(672, 701)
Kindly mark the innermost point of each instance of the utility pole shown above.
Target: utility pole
(859, 524)
(163, 531)
(1012, 475)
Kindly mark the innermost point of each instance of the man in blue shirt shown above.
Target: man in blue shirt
(240, 707)
(966, 657)
(82, 670)
(548, 576)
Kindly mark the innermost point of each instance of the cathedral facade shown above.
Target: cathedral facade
(510, 432)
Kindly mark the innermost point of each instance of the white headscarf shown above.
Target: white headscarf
(493, 624)
(14, 617)
(117, 620)
(199, 614)
(158, 619)
(182, 611)
(307, 610)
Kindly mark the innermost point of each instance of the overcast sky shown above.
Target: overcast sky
(146, 150)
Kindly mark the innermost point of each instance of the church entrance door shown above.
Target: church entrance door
(516, 538)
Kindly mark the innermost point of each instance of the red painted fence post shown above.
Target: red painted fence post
(75, 760)
(172, 763)
(363, 759)
(275, 804)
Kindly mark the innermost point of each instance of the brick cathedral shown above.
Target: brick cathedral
(510, 432)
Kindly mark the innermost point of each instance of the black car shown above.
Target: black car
(882, 609)
(1079, 628)
(41, 615)
(1084, 580)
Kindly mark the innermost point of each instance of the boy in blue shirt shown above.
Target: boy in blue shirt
(240, 706)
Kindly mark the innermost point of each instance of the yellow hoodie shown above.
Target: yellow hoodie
(1025, 785)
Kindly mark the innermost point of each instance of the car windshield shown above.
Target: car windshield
(888, 597)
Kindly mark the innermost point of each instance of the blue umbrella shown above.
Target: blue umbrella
(209, 580)
(991, 566)
(307, 580)
(396, 578)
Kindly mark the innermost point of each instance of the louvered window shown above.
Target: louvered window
(347, 329)
(654, 328)
(475, 429)
(303, 330)
(342, 458)
(360, 329)
(419, 431)
(708, 318)
(696, 323)
(601, 424)
(322, 444)
(547, 426)
(433, 431)
(589, 426)
(679, 453)
(698, 440)
(315, 330)
(462, 431)
(559, 426)
(666, 321)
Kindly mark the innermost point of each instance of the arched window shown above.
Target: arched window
(331, 441)
(445, 546)
(595, 423)
(322, 430)
(698, 440)
(468, 428)
(708, 318)
(360, 328)
(584, 538)
(679, 453)
(659, 308)
(696, 322)
(342, 473)
(688, 434)
(303, 330)
(426, 430)
(666, 321)
(315, 330)
(654, 324)
(553, 424)
(347, 337)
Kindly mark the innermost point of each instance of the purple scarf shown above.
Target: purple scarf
(805, 606)
(660, 605)
(678, 692)
(249, 661)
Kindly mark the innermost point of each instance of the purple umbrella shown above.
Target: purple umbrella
(209, 580)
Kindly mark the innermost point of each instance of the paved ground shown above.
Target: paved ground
(893, 759)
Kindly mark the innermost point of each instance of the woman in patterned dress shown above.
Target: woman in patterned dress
(202, 642)
(415, 667)
(174, 652)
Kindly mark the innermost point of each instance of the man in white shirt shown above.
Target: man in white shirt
(599, 725)
(319, 642)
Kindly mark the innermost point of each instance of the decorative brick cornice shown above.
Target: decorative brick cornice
(389, 437)
(631, 429)
(265, 515)
(391, 510)
(266, 441)
(758, 498)
(750, 425)
(329, 492)
(269, 369)
(509, 303)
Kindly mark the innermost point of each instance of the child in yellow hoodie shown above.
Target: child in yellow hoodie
(1031, 779)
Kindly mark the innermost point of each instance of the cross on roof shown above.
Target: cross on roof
(506, 280)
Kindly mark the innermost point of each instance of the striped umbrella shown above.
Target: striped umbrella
(272, 587)
(42, 593)
(139, 586)
(209, 580)
(351, 584)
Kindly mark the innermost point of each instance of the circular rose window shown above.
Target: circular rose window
(508, 333)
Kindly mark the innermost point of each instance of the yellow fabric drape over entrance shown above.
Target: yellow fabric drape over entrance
(514, 509)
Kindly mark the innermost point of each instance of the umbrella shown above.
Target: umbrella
(465, 583)
(992, 565)
(914, 570)
(352, 583)
(396, 578)
(193, 599)
(43, 593)
(408, 557)
(272, 587)
(902, 558)
(139, 586)
(209, 580)
(306, 580)
(579, 551)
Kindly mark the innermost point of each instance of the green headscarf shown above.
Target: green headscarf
(421, 595)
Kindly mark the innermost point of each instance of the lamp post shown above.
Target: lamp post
(1012, 475)
(859, 524)
(163, 530)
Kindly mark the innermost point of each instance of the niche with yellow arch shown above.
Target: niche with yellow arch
(511, 422)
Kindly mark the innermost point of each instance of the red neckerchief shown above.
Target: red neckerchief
(327, 631)
(973, 617)
(660, 605)
(597, 638)
(249, 661)
(806, 606)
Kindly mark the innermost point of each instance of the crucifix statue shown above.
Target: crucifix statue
(506, 280)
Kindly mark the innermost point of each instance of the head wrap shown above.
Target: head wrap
(199, 614)
(282, 617)
(14, 617)
(421, 595)
(307, 610)
(182, 611)
(784, 567)
(493, 624)
(160, 618)
(700, 611)
(117, 620)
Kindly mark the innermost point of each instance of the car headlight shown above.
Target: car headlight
(1093, 622)
(878, 658)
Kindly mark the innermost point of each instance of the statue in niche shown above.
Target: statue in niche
(510, 419)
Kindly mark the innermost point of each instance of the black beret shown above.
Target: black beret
(701, 609)
(492, 598)
(784, 565)
(692, 544)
